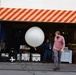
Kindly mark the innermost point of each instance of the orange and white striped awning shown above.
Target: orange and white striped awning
(37, 15)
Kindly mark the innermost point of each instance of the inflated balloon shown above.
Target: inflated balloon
(34, 36)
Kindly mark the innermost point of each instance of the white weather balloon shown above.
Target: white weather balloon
(34, 36)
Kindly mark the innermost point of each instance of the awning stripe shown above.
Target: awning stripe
(37, 15)
(33, 16)
(69, 17)
(53, 15)
(8, 17)
(30, 14)
(23, 15)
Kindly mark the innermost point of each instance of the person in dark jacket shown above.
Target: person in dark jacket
(47, 51)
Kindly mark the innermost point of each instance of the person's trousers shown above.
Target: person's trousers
(57, 58)
(47, 55)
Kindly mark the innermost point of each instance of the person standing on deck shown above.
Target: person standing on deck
(48, 51)
(58, 47)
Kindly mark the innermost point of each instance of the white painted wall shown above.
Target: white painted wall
(40, 4)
